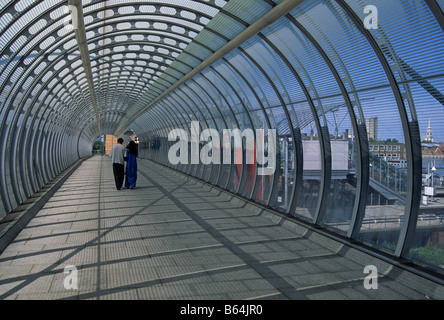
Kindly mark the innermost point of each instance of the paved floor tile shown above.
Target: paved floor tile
(174, 238)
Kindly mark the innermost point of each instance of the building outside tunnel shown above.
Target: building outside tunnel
(327, 84)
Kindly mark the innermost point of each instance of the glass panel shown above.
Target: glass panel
(414, 54)
(428, 244)
(343, 166)
(308, 201)
(267, 97)
(284, 166)
(388, 178)
(245, 122)
(264, 183)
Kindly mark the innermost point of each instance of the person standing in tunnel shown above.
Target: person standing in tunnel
(117, 158)
(131, 165)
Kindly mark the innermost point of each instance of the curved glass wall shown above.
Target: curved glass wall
(327, 111)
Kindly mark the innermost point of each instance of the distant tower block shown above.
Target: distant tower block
(372, 128)
(429, 136)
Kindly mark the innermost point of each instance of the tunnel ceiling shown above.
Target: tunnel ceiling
(132, 52)
(331, 77)
(95, 66)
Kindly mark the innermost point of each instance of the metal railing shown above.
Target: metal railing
(393, 177)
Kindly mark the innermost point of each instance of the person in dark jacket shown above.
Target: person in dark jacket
(131, 165)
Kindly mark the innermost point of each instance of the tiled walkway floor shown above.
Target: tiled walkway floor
(172, 238)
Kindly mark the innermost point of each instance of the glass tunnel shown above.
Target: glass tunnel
(330, 112)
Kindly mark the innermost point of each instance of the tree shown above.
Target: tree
(98, 145)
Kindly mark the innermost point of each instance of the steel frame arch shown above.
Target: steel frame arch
(222, 97)
(222, 78)
(186, 90)
(262, 108)
(359, 129)
(256, 65)
(176, 105)
(412, 139)
(190, 88)
(170, 108)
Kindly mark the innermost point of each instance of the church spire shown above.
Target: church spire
(429, 136)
